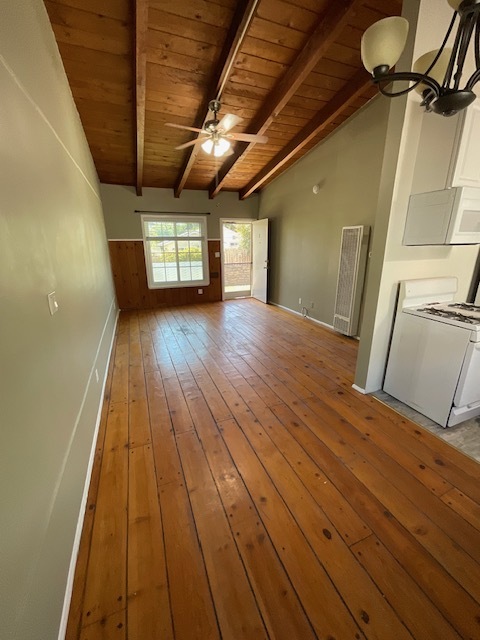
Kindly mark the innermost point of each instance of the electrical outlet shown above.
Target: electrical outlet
(200, 291)
(300, 301)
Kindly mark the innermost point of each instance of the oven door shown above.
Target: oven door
(468, 389)
(425, 362)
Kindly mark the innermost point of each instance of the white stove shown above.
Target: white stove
(434, 360)
(459, 314)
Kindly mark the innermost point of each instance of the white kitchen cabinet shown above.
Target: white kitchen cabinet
(465, 164)
(448, 153)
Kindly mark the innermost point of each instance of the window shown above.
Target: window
(176, 252)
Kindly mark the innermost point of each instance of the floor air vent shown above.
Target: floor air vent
(351, 274)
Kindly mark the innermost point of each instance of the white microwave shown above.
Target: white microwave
(448, 216)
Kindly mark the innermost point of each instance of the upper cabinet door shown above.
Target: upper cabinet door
(465, 167)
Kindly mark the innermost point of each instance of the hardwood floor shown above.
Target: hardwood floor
(242, 489)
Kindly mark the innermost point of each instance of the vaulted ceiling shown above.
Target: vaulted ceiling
(290, 68)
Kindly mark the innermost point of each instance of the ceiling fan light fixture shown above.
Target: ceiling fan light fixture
(220, 147)
(436, 75)
(207, 146)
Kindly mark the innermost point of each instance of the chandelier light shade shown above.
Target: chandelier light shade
(207, 146)
(437, 71)
(216, 145)
(436, 75)
(383, 43)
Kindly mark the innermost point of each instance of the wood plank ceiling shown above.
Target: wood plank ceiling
(290, 68)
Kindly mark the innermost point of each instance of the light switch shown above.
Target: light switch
(52, 302)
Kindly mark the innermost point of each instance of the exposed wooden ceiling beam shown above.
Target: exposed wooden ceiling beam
(328, 29)
(242, 18)
(344, 98)
(141, 25)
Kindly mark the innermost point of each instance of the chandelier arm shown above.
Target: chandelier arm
(466, 34)
(477, 42)
(456, 44)
(411, 76)
(473, 80)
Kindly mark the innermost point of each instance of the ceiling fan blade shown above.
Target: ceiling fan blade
(190, 143)
(182, 126)
(248, 137)
(229, 152)
(228, 121)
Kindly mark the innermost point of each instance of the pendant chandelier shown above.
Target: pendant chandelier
(436, 75)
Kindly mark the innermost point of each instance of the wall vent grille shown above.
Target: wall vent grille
(351, 275)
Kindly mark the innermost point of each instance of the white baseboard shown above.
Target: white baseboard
(83, 504)
(297, 313)
(359, 389)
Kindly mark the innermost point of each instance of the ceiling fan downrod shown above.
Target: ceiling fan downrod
(211, 125)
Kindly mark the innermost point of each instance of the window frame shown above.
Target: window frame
(203, 238)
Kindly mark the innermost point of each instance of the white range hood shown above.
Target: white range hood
(448, 216)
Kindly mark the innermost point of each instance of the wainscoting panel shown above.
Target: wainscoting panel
(130, 276)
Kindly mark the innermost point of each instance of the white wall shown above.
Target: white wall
(52, 237)
(401, 171)
(306, 228)
(120, 203)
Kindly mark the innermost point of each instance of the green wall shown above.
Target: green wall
(120, 203)
(52, 237)
(306, 228)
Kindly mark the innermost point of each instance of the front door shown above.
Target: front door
(260, 259)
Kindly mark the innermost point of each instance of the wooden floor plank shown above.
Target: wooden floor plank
(167, 461)
(445, 592)
(456, 467)
(415, 609)
(139, 432)
(334, 429)
(179, 413)
(190, 597)
(105, 591)
(112, 628)
(281, 610)
(307, 574)
(235, 604)
(148, 596)
(119, 391)
(244, 490)
(463, 506)
(348, 522)
(364, 600)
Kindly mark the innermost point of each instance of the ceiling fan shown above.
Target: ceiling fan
(217, 134)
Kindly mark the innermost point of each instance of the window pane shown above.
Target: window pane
(185, 273)
(181, 229)
(170, 252)
(197, 271)
(157, 229)
(171, 272)
(158, 273)
(175, 252)
(167, 229)
(152, 229)
(196, 248)
(194, 229)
